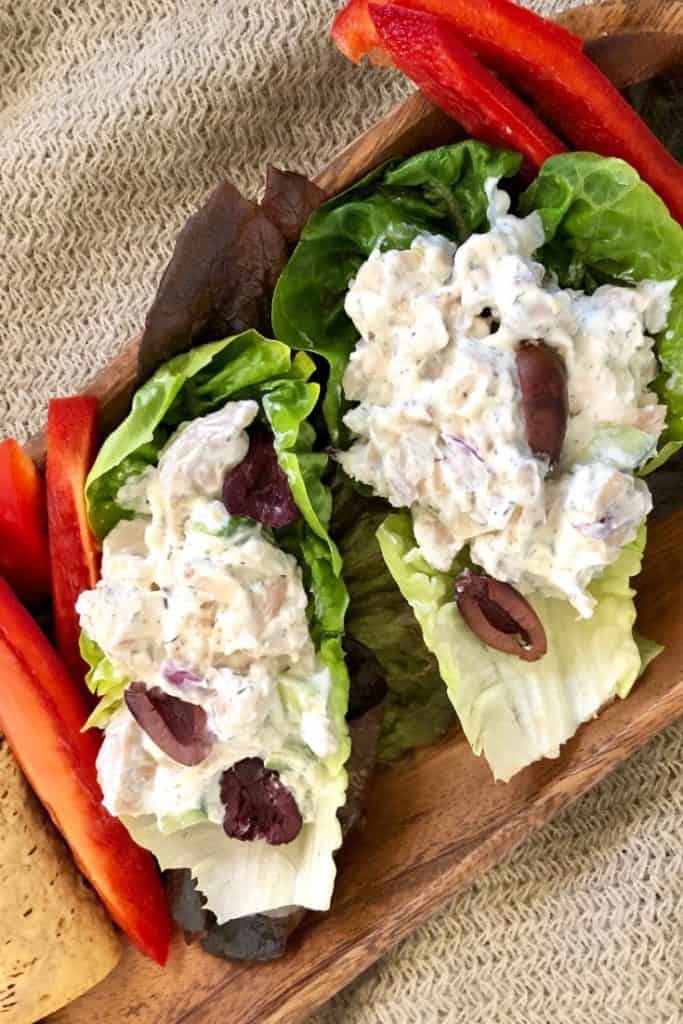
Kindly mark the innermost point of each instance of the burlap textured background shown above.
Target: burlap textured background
(116, 116)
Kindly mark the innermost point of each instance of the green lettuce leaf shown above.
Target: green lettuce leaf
(440, 191)
(648, 649)
(666, 452)
(603, 223)
(417, 709)
(102, 680)
(515, 712)
(169, 823)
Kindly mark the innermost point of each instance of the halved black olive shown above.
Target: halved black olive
(545, 399)
(500, 616)
(257, 805)
(258, 487)
(176, 726)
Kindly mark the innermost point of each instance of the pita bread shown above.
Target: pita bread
(56, 940)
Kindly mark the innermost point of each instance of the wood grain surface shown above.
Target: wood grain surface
(436, 820)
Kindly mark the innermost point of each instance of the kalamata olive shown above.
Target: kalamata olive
(258, 487)
(257, 805)
(543, 380)
(500, 616)
(176, 726)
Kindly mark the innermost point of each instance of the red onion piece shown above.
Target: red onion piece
(180, 676)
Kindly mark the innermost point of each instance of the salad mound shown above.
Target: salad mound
(440, 421)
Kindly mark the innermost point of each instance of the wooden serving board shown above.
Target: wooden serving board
(436, 820)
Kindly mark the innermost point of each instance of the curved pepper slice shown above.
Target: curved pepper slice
(74, 555)
(428, 50)
(24, 555)
(566, 86)
(41, 714)
(355, 35)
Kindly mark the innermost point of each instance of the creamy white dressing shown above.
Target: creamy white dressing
(187, 588)
(439, 425)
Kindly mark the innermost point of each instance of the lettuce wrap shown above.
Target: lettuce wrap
(241, 878)
(602, 225)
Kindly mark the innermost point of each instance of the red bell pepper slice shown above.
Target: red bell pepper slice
(567, 88)
(24, 554)
(74, 554)
(354, 32)
(42, 712)
(428, 50)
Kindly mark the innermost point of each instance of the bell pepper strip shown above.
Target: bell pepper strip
(19, 629)
(24, 554)
(41, 714)
(355, 34)
(429, 52)
(74, 554)
(567, 88)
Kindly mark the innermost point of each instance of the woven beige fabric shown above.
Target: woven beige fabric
(116, 116)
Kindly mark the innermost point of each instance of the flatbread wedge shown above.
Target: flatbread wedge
(56, 939)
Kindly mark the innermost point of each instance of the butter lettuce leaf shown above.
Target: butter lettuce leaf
(647, 648)
(603, 223)
(515, 712)
(417, 711)
(102, 680)
(440, 191)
